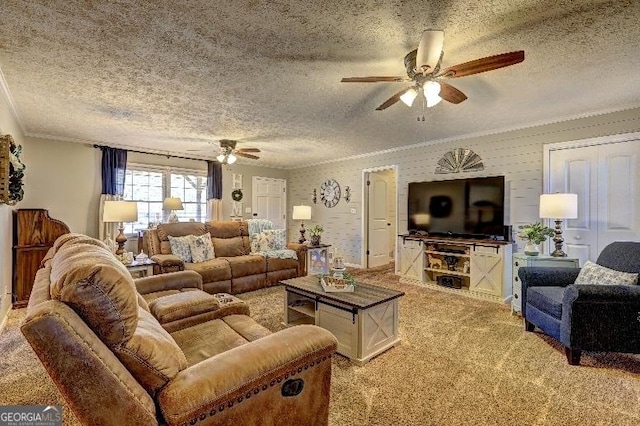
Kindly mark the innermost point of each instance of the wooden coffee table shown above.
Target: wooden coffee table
(364, 321)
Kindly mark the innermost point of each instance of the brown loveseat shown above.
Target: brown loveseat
(102, 344)
(234, 270)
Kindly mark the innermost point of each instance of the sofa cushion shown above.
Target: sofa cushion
(182, 305)
(592, 273)
(277, 264)
(180, 229)
(181, 247)
(151, 355)
(206, 340)
(211, 270)
(242, 266)
(201, 248)
(246, 327)
(546, 299)
(96, 285)
(229, 247)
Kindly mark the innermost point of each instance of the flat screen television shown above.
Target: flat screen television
(472, 208)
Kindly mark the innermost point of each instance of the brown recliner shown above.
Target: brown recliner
(115, 364)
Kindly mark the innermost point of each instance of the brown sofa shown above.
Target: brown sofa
(97, 334)
(234, 270)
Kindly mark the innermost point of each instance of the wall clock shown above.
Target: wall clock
(330, 192)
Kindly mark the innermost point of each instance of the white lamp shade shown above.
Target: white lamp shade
(301, 213)
(231, 158)
(120, 211)
(559, 206)
(429, 49)
(220, 158)
(172, 204)
(409, 96)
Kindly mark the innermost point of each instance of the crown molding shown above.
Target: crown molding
(4, 89)
(499, 131)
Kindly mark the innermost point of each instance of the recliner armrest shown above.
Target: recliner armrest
(301, 252)
(238, 386)
(170, 281)
(536, 276)
(601, 293)
(168, 261)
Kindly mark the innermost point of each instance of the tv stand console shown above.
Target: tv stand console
(477, 266)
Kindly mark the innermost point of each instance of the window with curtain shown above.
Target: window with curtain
(150, 185)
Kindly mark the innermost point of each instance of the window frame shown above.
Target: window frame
(166, 172)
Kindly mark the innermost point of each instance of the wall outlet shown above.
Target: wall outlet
(247, 210)
(353, 211)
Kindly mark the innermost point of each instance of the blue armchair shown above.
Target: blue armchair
(587, 317)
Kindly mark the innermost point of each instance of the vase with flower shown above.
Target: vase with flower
(534, 234)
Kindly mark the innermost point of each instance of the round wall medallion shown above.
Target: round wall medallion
(236, 194)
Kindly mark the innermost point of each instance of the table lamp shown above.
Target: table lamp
(172, 204)
(302, 213)
(558, 207)
(119, 212)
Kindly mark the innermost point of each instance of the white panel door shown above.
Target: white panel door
(575, 171)
(378, 222)
(606, 179)
(269, 200)
(618, 198)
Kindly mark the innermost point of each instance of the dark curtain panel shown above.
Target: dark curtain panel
(214, 180)
(114, 167)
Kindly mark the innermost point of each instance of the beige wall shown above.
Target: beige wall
(518, 155)
(8, 125)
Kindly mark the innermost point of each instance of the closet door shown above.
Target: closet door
(605, 177)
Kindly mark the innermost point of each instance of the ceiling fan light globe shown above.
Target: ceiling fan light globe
(429, 49)
(231, 159)
(409, 96)
(433, 100)
(431, 88)
(220, 158)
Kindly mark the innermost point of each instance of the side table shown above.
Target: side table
(545, 261)
(318, 259)
(141, 269)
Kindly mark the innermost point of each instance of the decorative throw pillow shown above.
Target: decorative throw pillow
(201, 248)
(272, 239)
(592, 273)
(180, 247)
(253, 240)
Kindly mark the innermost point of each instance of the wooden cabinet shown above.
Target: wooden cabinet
(411, 258)
(545, 261)
(34, 233)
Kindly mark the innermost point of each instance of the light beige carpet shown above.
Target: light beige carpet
(462, 361)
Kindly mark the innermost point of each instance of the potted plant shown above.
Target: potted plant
(534, 234)
(316, 232)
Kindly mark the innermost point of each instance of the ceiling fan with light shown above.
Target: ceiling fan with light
(424, 71)
(229, 154)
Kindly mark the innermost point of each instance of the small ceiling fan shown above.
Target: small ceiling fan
(424, 71)
(229, 153)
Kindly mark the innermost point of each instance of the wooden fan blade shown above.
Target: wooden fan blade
(451, 94)
(483, 64)
(392, 100)
(244, 154)
(248, 150)
(373, 79)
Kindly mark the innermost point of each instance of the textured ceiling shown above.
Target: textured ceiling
(176, 76)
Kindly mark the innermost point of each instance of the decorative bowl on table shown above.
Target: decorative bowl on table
(333, 284)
